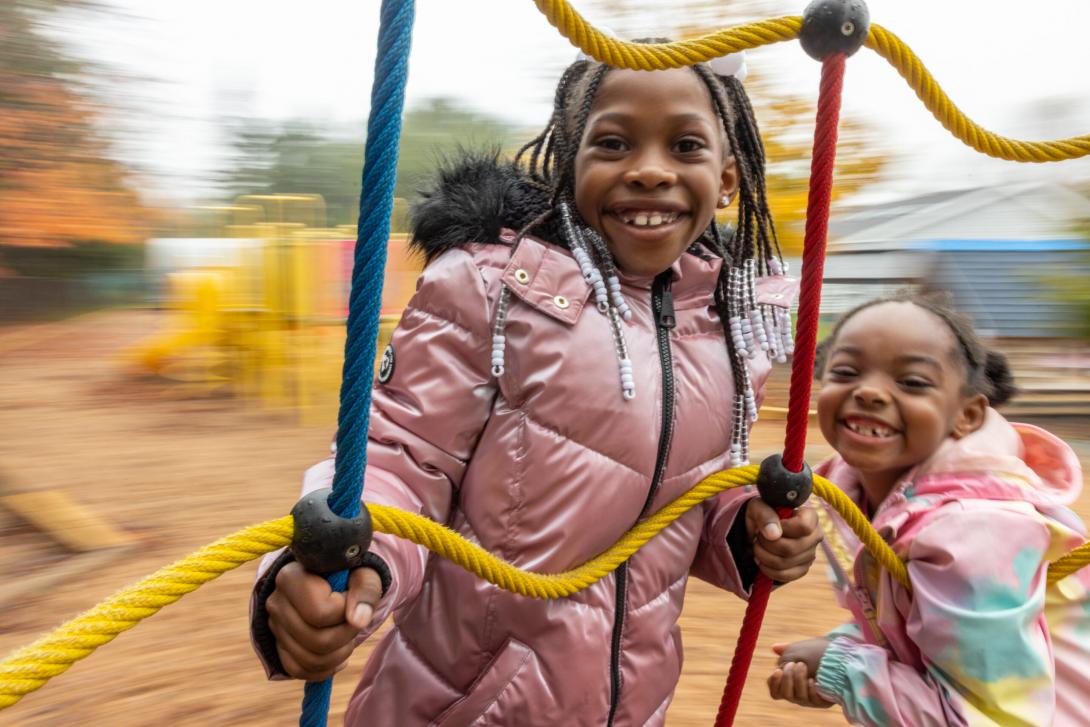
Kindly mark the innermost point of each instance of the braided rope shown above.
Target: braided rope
(901, 57)
(657, 56)
(1067, 564)
(802, 363)
(365, 297)
(29, 668)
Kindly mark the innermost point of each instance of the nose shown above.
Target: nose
(650, 171)
(869, 395)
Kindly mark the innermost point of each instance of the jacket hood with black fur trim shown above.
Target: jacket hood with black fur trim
(472, 198)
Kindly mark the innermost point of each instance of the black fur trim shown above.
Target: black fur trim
(473, 196)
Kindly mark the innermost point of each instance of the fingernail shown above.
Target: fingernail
(772, 531)
(362, 615)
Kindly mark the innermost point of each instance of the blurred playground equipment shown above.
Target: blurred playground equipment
(257, 308)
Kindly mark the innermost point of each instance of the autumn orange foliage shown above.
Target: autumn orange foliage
(57, 182)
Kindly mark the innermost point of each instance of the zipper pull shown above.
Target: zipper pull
(665, 317)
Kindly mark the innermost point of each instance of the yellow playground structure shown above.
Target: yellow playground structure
(257, 309)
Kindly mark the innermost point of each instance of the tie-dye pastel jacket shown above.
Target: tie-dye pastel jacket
(981, 639)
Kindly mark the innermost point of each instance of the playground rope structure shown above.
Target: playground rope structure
(657, 56)
(365, 296)
(30, 667)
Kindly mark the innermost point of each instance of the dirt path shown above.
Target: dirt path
(177, 471)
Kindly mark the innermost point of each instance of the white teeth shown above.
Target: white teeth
(649, 219)
(870, 430)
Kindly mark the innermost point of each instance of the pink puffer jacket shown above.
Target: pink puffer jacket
(546, 467)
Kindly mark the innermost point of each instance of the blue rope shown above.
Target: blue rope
(365, 300)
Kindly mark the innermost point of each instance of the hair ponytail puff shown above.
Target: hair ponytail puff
(999, 379)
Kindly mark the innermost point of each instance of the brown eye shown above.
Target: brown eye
(688, 146)
(611, 143)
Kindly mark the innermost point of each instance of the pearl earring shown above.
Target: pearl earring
(724, 201)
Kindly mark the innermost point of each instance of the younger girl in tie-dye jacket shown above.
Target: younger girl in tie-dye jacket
(975, 506)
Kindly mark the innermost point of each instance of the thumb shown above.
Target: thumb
(778, 649)
(761, 518)
(364, 592)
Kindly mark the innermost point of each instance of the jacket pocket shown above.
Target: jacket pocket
(488, 686)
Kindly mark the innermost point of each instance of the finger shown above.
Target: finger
(782, 570)
(762, 519)
(285, 622)
(802, 523)
(789, 575)
(302, 663)
(311, 596)
(799, 676)
(775, 558)
(778, 649)
(292, 669)
(787, 686)
(774, 684)
(790, 546)
(364, 592)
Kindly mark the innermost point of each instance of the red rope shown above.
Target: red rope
(802, 365)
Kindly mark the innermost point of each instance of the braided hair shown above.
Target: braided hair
(986, 371)
(748, 249)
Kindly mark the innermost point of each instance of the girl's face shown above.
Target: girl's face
(891, 392)
(652, 166)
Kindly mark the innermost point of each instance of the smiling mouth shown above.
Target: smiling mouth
(869, 428)
(646, 218)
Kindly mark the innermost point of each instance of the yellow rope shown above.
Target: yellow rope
(32, 666)
(1067, 564)
(657, 56)
(901, 57)
(475, 559)
(29, 668)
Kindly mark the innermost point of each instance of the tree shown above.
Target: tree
(59, 182)
(303, 157)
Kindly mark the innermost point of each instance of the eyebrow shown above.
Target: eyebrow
(621, 117)
(908, 358)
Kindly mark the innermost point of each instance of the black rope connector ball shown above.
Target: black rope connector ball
(324, 542)
(780, 487)
(834, 26)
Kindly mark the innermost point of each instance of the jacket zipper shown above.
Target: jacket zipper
(662, 305)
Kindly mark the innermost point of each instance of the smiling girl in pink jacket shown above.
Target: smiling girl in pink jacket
(975, 505)
(562, 372)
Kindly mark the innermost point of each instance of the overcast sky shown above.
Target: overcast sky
(1021, 73)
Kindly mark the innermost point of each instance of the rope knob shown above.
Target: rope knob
(780, 487)
(834, 26)
(324, 542)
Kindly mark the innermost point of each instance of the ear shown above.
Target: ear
(971, 416)
(728, 183)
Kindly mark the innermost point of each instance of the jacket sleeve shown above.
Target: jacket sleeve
(976, 616)
(426, 418)
(724, 556)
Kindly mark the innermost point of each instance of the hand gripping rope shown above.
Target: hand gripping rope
(830, 30)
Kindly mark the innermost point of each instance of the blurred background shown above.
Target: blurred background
(178, 195)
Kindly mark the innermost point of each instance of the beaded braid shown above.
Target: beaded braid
(752, 250)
